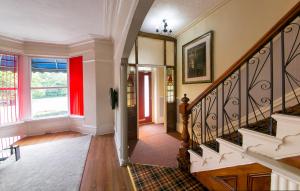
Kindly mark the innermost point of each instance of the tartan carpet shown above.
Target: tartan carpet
(156, 178)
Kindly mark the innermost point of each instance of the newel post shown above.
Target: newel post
(183, 157)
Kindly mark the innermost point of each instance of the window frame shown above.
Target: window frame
(14, 89)
(33, 88)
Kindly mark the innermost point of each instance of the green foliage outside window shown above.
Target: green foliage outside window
(49, 79)
(7, 79)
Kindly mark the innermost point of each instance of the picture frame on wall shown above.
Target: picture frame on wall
(197, 60)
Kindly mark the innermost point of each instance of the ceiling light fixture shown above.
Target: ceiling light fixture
(164, 28)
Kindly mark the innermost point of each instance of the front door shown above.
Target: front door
(145, 100)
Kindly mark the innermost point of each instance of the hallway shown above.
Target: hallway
(155, 146)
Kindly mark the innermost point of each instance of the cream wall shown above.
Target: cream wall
(237, 26)
(150, 51)
(158, 94)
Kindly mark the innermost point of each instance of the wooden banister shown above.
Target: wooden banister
(183, 155)
(277, 28)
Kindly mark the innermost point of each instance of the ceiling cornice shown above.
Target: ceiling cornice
(89, 39)
(13, 40)
(201, 17)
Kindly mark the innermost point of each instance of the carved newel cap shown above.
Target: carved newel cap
(185, 99)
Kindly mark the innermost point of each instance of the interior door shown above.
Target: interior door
(131, 102)
(170, 81)
(145, 99)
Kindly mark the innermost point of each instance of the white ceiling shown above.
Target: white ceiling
(69, 21)
(178, 13)
(55, 21)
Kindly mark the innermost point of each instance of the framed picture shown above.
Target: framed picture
(197, 60)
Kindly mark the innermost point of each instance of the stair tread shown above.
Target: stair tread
(261, 126)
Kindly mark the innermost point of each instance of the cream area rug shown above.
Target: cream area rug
(53, 166)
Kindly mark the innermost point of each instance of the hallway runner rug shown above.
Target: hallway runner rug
(156, 178)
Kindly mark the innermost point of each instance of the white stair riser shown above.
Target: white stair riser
(285, 144)
(228, 156)
(286, 125)
(271, 146)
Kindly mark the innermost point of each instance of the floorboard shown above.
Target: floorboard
(102, 170)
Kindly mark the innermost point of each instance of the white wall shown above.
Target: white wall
(98, 78)
(100, 71)
(104, 81)
(129, 18)
(158, 94)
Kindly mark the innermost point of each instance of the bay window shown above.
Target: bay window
(49, 87)
(9, 109)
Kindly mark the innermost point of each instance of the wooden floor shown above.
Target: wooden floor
(102, 170)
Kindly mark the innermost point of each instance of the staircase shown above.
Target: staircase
(250, 115)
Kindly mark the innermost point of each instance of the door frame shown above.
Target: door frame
(135, 61)
(150, 118)
(165, 106)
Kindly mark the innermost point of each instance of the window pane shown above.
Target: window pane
(49, 102)
(8, 78)
(8, 106)
(49, 72)
(9, 109)
(147, 96)
(49, 81)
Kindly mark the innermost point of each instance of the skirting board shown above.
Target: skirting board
(86, 129)
(104, 129)
(43, 126)
(122, 162)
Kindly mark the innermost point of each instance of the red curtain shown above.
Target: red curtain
(76, 86)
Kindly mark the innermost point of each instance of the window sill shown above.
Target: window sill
(42, 119)
(48, 118)
(76, 117)
(11, 124)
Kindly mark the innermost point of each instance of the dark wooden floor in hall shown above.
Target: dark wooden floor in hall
(102, 170)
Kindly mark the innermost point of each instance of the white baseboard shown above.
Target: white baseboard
(105, 129)
(85, 129)
(122, 162)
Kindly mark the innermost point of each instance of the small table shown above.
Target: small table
(14, 149)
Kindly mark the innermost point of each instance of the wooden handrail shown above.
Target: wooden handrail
(277, 28)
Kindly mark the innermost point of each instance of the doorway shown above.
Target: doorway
(151, 96)
(151, 106)
(145, 97)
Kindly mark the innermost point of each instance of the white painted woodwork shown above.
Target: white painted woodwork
(229, 155)
(281, 182)
(285, 144)
(286, 125)
(258, 148)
